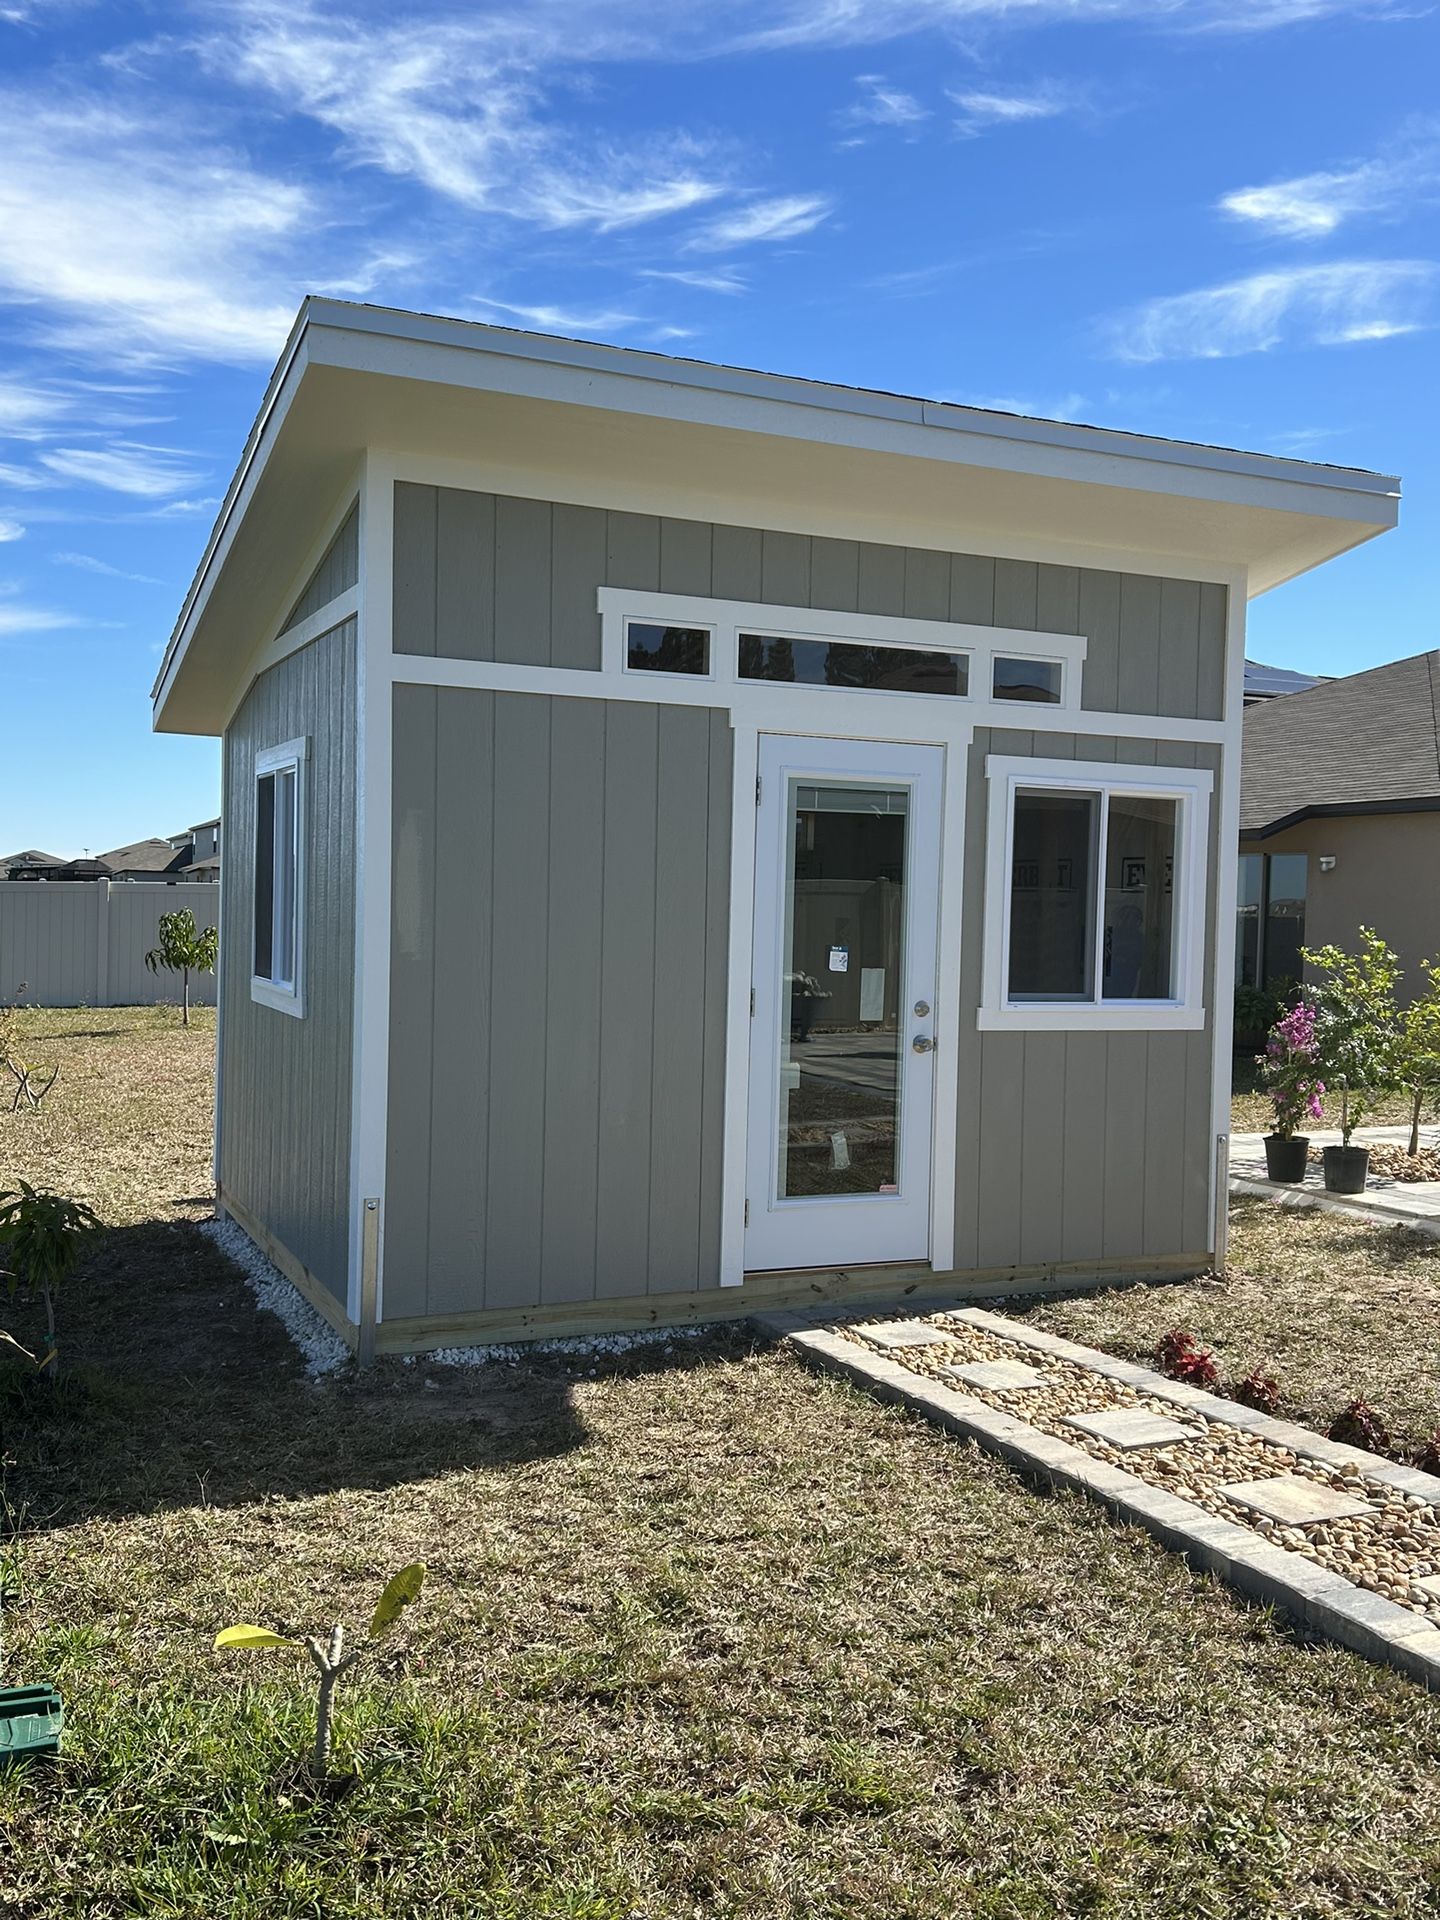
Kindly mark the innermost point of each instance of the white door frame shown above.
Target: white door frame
(855, 1228)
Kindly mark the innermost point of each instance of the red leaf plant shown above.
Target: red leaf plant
(1181, 1355)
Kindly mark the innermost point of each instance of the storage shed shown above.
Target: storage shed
(699, 839)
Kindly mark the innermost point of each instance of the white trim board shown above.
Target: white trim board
(290, 756)
(1191, 787)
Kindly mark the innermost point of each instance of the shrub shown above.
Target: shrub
(1361, 1425)
(1258, 1389)
(1181, 1356)
(1289, 1069)
(1358, 1023)
(1427, 1456)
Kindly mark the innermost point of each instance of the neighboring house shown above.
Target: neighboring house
(203, 842)
(19, 866)
(147, 860)
(1269, 683)
(698, 839)
(1340, 821)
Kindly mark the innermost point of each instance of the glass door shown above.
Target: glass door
(841, 1069)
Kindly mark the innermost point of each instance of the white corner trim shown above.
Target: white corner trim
(1191, 787)
(370, 1052)
(745, 735)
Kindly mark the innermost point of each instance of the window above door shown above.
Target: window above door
(1095, 889)
(682, 638)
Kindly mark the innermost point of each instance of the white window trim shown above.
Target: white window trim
(1191, 788)
(289, 756)
(726, 620)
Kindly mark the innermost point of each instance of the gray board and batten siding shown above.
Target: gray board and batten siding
(284, 1134)
(338, 570)
(561, 877)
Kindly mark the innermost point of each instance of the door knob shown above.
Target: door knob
(922, 1009)
(922, 1043)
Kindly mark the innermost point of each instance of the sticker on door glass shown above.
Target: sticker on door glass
(839, 959)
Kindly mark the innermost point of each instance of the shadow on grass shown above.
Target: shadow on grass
(179, 1392)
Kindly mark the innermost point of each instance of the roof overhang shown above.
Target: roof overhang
(609, 425)
(1339, 810)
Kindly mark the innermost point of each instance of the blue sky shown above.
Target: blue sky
(1217, 219)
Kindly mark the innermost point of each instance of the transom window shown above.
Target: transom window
(653, 648)
(1094, 895)
(279, 880)
(1013, 677)
(844, 663)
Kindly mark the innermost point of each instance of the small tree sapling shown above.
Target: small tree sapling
(328, 1652)
(1420, 1051)
(1357, 1023)
(184, 949)
(42, 1239)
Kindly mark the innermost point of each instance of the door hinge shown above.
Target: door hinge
(759, 780)
(747, 1213)
(752, 1003)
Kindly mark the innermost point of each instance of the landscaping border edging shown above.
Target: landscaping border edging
(1324, 1602)
(1373, 1213)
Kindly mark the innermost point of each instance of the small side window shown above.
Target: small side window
(651, 648)
(1015, 678)
(279, 889)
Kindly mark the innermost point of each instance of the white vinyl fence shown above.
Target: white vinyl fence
(82, 943)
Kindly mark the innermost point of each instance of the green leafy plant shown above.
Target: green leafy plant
(1419, 1070)
(328, 1653)
(43, 1237)
(1357, 1025)
(1256, 1011)
(184, 949)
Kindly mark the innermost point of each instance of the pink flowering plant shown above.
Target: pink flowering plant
(1290, 1068)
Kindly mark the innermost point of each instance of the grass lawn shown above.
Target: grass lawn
(704, 1634)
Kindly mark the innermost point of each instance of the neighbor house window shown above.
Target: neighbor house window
(1270, 919)
(1095, 895)
(276, 975)
(847, 663)
(652, 648)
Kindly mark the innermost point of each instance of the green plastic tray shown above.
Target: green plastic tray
(30, 1720)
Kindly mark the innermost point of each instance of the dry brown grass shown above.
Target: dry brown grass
(128, 1126)
(1336, 1308)
(704, 1637)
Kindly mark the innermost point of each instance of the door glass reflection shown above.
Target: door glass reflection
(842, 990)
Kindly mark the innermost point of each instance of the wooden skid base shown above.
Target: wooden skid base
(809, 1288)
(279, 1255)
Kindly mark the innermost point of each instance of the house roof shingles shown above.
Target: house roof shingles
(1369, 741)
(145, 856)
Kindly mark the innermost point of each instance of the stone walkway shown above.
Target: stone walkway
(1346, 1541)
(1386, 1202)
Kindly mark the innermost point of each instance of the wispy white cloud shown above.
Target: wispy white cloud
(553, 319)
(460, 105)
(22, 477)
(1338, 304)
(10, 530)
(720, 280)
(121, 234)
(783, 217)
(1067, 406)
(870, 22)
(882, 105)
(1312, 206)
(152, 473)
(19, 620)
(87, 563)
(983, 107)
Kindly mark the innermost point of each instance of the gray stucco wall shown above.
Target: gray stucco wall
(481, 577)
(559, 939)
(557, 1037)
(284, 1149)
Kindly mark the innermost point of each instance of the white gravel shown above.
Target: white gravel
(577, 1346)
(320, 1347)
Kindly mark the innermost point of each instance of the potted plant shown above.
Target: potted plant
(1289, 1073)
(1358, 1029)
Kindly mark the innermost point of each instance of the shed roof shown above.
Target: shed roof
(1365, 744)
(576, 420)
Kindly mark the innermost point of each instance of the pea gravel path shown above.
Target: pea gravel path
(1346, 1541)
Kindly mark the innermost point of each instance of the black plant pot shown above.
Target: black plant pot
(1285, 1159)
(1346, 1168)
